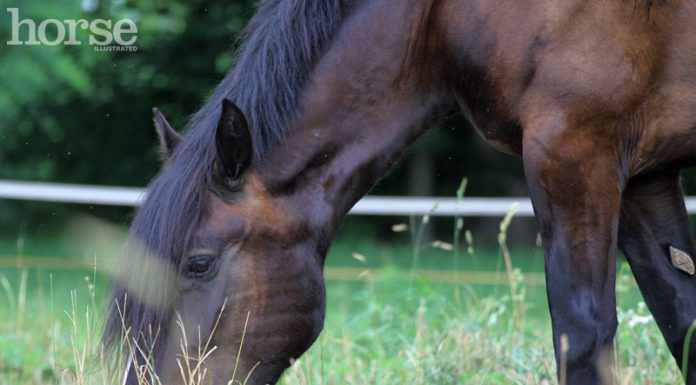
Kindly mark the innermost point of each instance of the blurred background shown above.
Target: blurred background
(74, 115)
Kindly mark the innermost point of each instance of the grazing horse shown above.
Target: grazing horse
(597, 97)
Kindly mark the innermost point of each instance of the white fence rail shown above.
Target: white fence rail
(370, 205)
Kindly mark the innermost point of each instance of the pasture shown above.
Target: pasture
(395, 316)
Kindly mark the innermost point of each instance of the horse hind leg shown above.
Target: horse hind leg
(655, 235)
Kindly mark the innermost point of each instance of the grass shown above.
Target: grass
(395, 327)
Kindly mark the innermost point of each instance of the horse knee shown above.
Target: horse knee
(582, 343)
(584, 322)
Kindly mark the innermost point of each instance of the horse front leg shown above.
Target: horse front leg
(654, 227)
(575, 182)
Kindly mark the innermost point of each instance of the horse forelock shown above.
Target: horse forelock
(158, 240)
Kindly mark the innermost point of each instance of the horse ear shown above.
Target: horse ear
(233, 144)
(169, 138)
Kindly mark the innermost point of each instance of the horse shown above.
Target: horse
(597, 98)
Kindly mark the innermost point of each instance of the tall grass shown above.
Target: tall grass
(392, 328)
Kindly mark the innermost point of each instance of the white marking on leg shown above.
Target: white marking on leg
(681, 260)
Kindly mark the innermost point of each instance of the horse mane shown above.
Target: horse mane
(281, 44)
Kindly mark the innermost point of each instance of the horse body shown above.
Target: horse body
(574, 62)
(596, 97)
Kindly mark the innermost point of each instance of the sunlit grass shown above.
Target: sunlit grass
(376, 332)
(395, 327)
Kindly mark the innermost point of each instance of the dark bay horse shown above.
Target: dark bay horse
(597, 97)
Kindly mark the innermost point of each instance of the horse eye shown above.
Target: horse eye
(199, 266)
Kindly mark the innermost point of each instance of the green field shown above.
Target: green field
(394, 317)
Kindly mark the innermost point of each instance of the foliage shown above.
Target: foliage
(72, 114)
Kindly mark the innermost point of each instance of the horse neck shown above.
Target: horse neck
(360, 110)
